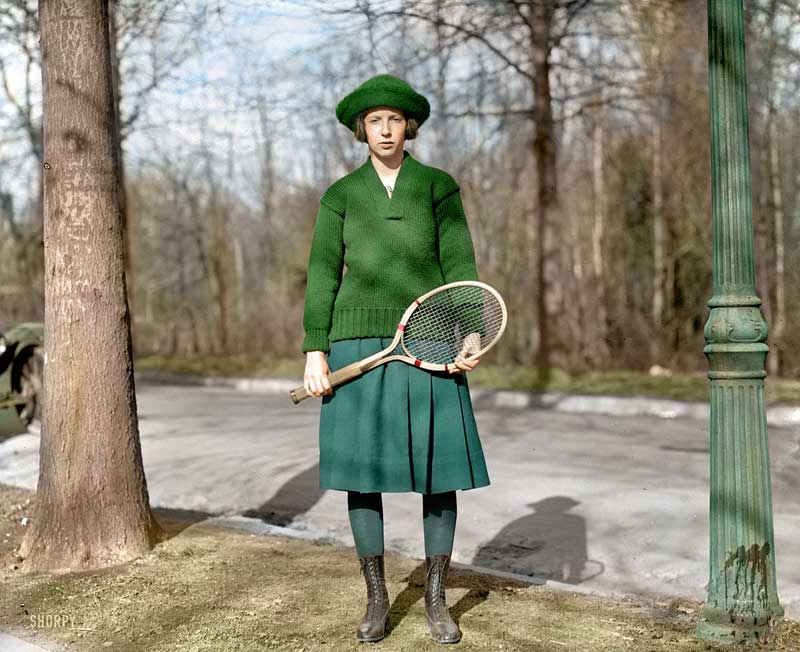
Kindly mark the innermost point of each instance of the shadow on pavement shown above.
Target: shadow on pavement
(295, 497)
(175, 521)
(550, 543)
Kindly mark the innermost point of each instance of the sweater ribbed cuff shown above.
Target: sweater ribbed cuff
(316, 340)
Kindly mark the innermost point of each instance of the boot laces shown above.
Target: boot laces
(435, 594)
(377, 597)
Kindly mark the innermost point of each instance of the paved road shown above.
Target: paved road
(605, 503)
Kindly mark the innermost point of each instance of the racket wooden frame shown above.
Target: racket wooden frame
(362, 366)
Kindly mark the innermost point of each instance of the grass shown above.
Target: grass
(240, 366)
(617, 382)
(206, 589)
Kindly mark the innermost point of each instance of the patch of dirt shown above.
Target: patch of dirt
(16, 509)
(211, 589)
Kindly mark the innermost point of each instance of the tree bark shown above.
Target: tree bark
(599, 200)
(598, 291)
(117, 135)
(545, 157)
(779, 325)
(440, 86)
(762, 233)
(92, 501)
(269, 244)
(775, 356)
(659, 230)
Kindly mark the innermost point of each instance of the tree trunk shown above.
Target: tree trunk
(600, 208)
(220, 262)
(217, 212)
(268, 246)
(659, 240)
(440, 86)
(779, 325)
(92, 502)
(762, 234)
(773, 172)
(545, 157)
(599, 200)
(117, 135)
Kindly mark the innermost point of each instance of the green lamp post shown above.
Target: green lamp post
(742, 604)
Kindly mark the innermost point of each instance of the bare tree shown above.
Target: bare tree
(775, 184)
(140, 65)
(653, 25)
(621, 159)
(19, 29)
(92, 501)
(146, 24)
(522, 36)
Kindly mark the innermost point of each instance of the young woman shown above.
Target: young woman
(399, 227)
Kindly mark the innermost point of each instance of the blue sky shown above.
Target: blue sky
(242, 42)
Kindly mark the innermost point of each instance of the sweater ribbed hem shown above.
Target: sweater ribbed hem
(316, 340)
(364, 322)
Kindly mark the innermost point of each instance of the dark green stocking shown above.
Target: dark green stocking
(439, 522)
(366, 521)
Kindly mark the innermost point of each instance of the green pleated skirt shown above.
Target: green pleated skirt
(397, 427)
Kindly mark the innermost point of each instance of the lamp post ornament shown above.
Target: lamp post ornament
(742, 603)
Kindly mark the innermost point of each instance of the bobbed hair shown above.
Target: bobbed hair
(360, 132)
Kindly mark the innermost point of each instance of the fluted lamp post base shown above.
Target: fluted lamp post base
(742, 604)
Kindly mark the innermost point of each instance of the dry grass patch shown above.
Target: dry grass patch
(211, 589)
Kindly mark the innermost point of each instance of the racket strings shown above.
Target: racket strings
(458, 320)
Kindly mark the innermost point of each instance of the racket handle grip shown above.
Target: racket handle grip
(298, 394)
(336, 378)
(345, 373)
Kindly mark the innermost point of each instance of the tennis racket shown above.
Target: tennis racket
(460, 319)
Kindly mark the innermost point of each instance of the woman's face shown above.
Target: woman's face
(386, 131)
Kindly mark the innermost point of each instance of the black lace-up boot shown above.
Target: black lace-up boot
(373, 624)
(442, 627)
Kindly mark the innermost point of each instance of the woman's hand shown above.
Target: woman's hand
(315, 379)
(472, 344)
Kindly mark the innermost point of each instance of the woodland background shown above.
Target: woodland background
(578, 130)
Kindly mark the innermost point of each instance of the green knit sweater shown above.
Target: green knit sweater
(395, 249)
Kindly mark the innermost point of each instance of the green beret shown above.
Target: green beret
(382, 90)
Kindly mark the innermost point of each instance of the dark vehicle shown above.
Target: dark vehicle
(21, 367)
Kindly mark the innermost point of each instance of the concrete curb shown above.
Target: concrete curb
(260, 528)
(782, 416)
